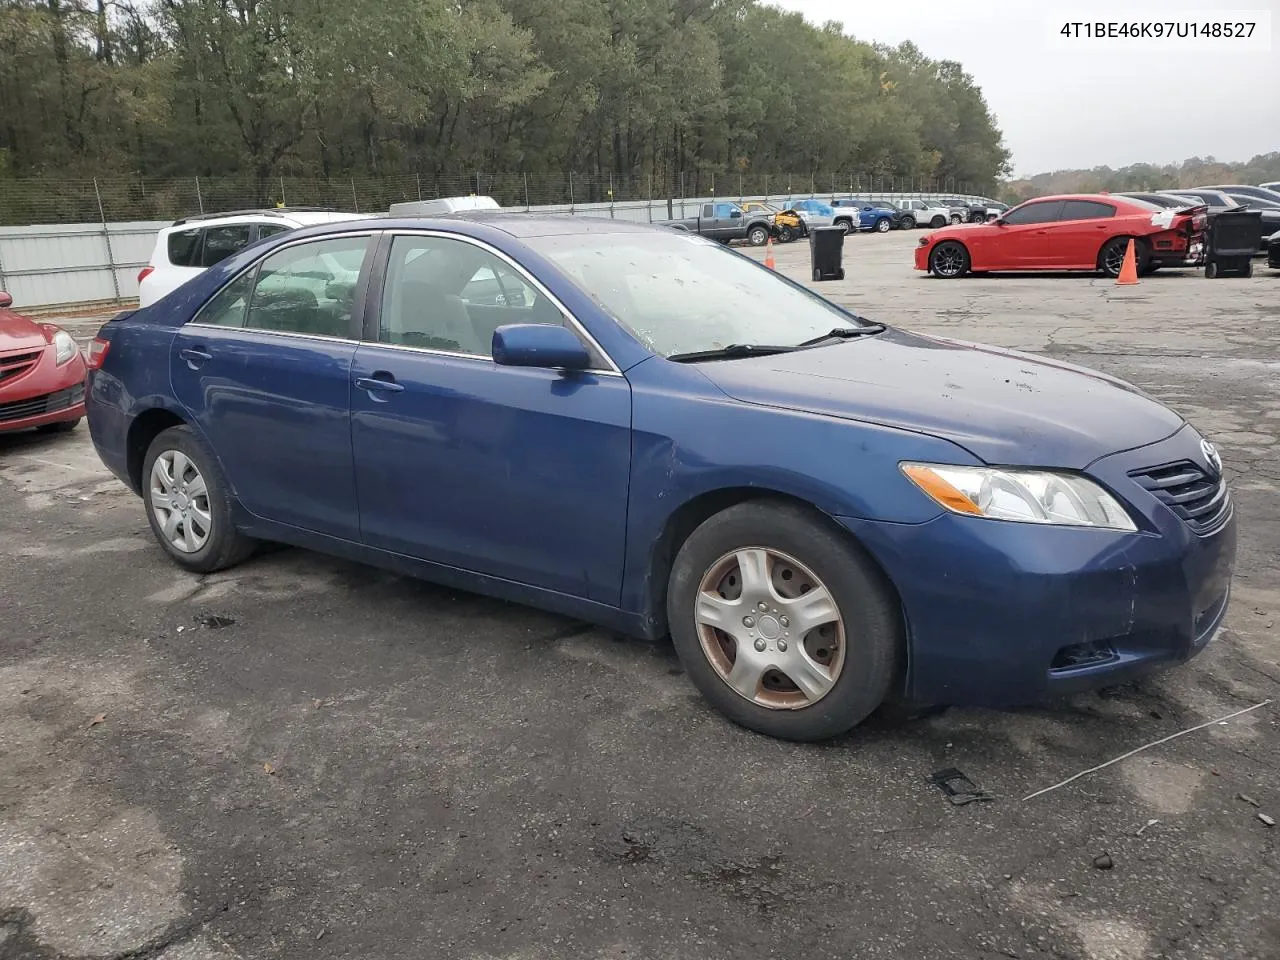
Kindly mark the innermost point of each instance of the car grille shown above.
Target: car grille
(15, 365)
(1186, 489)
(37, 406)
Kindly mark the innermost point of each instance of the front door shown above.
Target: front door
(1025, 240)
(517, 473)
(264, 369)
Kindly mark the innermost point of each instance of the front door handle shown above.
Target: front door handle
(195, 357)
(379, 385)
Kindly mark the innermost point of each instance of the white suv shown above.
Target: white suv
(923, 213)
(192, 245)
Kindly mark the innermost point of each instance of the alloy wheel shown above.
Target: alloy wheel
(770, 628)
(948, 261)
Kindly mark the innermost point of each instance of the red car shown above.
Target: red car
(42, 374)
(1077, 232)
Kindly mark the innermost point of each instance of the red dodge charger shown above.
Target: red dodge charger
(1077, 232)
(42, 374)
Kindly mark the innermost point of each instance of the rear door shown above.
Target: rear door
(1077, 238)
(513, 472)
(264, 369)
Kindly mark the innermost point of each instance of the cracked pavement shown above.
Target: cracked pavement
(361, 765)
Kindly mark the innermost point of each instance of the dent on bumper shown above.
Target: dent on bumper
(991, 606)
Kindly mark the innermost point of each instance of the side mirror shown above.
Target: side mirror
(539, 345)
(998, 221)
(6, 300)
(735, 214)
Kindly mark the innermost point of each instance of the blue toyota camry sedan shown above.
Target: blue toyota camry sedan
(646, 430)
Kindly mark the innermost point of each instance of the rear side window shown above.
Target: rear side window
(227, 309)
(1045, 212)
(1086, 210)
(184, 247)
(222, 242)
(271, 229)
(309, 288)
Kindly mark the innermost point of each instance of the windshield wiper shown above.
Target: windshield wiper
(732, 351)
(844, 333)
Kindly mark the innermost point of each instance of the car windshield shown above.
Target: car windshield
(681, 293)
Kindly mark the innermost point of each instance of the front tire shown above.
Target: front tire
(786, 235)
(956, 218)
(188, 503)
(782, 622)
(949, 260)
(845, 227)
(758, 236)
(938, 221)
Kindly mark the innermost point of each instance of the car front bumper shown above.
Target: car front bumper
(1005, 614)
(922, 256)
(47, 394)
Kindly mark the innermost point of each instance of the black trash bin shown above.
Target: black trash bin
(1235, 237)
(826, 249)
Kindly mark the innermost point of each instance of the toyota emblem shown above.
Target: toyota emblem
(1211, 457)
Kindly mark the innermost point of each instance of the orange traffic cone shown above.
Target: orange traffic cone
(768, 255)
(1128, 269)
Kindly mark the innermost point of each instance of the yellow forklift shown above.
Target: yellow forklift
(787, 225)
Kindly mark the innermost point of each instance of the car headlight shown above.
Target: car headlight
(1027, 496)
(66, 347)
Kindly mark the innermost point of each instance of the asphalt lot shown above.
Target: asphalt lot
(350, 764)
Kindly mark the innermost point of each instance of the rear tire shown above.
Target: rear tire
(908, 223)
(1111, 256)
(956, 218)
(847, 662)
(883, 225)
(179, 513)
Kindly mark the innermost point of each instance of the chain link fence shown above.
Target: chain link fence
(122, 199)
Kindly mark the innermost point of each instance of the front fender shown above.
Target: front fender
(689, 440)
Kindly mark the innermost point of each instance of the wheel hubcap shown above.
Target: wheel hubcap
(180, 501)
(770, 628)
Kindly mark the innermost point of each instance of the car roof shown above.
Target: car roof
(294, 216)
(519, 224)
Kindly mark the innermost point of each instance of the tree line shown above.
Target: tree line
(1193, 172)
(630, 89)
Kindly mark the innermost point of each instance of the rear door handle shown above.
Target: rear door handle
(378, 385)
(195, 357)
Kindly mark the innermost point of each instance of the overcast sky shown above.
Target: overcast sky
(1064, 108)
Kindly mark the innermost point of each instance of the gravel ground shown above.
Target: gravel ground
(304, 758)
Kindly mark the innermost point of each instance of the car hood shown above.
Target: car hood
(21, 333)
(1004, 406)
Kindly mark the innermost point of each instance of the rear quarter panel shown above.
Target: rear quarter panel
(133, 380)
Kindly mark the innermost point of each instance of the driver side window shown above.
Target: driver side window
(1045, 212)
(450, 295)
